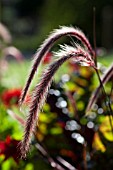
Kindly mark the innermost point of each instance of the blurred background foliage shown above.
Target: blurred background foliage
(65, 136)
(33, 20)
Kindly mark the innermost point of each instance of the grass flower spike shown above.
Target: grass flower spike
(80, 56)
(47, 44)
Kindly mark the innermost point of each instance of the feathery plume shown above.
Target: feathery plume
(5, 34)
(41, 90)
(45, 47)
(13, 51)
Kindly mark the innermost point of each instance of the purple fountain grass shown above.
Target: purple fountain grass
(13, 51)
(81, 57)
(42, 150)
(45, 47)
(16, 117)
(5, 34)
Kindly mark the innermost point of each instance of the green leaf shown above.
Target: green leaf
(56, 131)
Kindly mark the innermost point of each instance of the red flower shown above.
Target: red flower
(12, 96)
(8, 148)
(47, 58)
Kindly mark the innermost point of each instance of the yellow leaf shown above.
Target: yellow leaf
(97, 144)
(105, 128)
